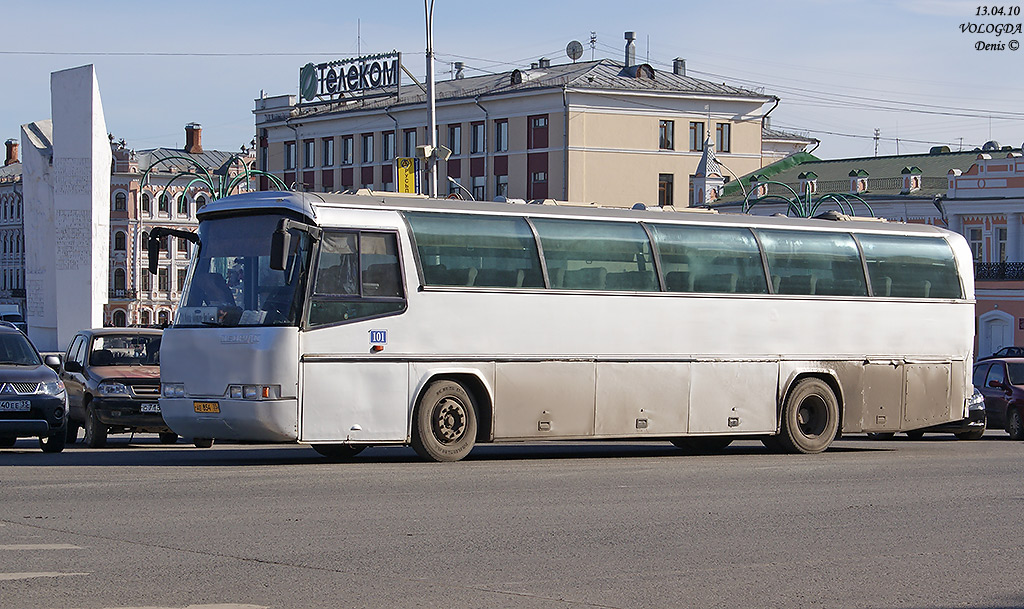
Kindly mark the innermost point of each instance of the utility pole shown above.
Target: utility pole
(593, 44)
(428, 7)
(877, 133)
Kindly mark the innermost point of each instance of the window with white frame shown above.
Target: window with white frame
(480, 188)
(478, 143)
(388, 152)
(501, 136)
(367, 148)
(974, 237)
(309, 154)
(289, 156)
(328, 156)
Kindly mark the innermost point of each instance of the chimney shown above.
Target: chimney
(194, 138)
(458, 70)
(12, 152)
(630, 49)
(545, 62)
(679, 66)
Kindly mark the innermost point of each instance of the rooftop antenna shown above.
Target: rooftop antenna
(359, 39)
(877, 133)
(574, 50)
(593, 44)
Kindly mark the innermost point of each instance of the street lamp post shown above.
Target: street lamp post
(428, 8)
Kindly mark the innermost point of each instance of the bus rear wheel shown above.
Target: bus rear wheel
(444, 427)
(810, 417)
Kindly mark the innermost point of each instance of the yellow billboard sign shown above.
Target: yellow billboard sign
(406, 174)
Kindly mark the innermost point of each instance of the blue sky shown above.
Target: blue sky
(841, 67)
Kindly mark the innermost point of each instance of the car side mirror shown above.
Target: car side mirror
(53, 361)
(72, 366)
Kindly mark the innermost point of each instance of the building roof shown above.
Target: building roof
(211, 160)
(767, 133)
(884, 174)
(600, 75)
(10, 172)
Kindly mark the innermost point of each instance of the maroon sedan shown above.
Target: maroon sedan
(1001, 381)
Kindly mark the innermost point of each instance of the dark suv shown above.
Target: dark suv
(1001, 381)
(112, 377)
(33, 402)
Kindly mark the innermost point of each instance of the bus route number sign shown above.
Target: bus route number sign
(378, 337)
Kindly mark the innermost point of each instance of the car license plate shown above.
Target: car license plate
(15, 405)
(206, 406)
(149, 407)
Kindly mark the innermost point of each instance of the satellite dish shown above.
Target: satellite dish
(574, 50)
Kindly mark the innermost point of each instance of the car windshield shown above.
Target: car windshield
(16, 350)
(125, 350)
(232, 283)
(1015, 372)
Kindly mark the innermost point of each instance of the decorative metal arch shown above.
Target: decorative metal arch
(806, 206)
(223, 186)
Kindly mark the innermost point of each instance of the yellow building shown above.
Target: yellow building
(613, 133)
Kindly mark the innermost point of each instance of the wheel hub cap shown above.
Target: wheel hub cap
(449, 420)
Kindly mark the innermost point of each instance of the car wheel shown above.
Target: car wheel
(95, 432)
(810, 417)
(702, 445)
(917, 434)
(54, 443)
(444, 428)
(202, 442)
(1014, 424)
(7, 441)
(168, 437)
(338, 451)
(971, 434)
(72, 433)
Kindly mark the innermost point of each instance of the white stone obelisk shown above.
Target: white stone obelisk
(79, 221)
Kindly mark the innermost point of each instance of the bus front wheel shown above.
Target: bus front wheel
(810, 417)
(444, 428)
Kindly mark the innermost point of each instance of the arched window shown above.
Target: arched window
(119, 281)
(200, 201)
(144, 317)
(145, 202)
(120, 319)
(119, 241)
(182, 205)
(120, 202)
(163, 318)
(162, 205)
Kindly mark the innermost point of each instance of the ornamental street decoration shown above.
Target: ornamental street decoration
(329, 82)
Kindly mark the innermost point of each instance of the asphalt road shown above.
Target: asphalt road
(931, 523)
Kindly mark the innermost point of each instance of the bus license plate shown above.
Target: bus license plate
(149, 407)
(206, 406)
(15, 405)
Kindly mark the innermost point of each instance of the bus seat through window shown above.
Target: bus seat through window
(592, 278)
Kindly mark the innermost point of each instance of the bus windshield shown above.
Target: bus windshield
(232, 283)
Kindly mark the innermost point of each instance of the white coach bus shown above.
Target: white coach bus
(347, 321)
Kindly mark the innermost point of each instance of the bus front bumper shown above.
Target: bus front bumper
(227, 419)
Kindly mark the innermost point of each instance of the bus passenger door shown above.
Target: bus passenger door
(733, 397)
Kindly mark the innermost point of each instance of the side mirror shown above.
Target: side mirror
(153, 251)
(280, 245)
(72, 366)
(52, 361)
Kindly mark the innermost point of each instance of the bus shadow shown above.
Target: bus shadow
(225, 454)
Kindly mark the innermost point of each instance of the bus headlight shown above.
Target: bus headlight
(174, 390)
(112, 389)
(254, 392)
